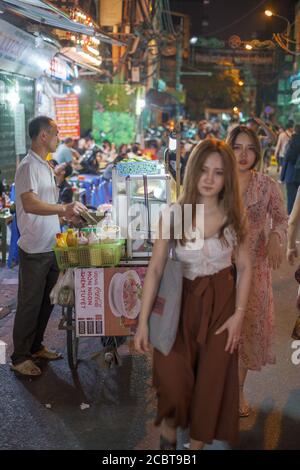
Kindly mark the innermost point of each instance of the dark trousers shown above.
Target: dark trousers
(38, 274)
(291, 190)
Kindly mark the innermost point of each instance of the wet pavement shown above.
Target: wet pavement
(114, 409)
(45, 412)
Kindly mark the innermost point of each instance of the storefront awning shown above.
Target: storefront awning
(47, 14)
(19, 54)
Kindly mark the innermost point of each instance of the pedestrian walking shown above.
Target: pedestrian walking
(197, 382)
(294, 223)
(267, 231)
(283, 140)
(290, 173)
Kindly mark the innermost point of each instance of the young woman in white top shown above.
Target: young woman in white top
(197, 383)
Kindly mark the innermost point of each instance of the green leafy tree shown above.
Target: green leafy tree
(221, 90)
(113, 126)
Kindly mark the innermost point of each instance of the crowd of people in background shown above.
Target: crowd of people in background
(86, 156)
(224, 167)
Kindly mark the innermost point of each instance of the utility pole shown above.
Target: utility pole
(178, 85)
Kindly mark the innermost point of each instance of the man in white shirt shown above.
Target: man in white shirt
(38, 222)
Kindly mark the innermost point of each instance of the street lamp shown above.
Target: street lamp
(248, 47)
(270, 13)
(283, 39)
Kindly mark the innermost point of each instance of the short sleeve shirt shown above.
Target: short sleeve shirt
(63, 154)
(37, 232)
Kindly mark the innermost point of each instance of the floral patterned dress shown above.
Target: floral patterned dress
(266, 211)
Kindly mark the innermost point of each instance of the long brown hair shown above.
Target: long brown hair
(231, 138)
(230, 194)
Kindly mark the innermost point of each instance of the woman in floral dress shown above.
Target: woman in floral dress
(267, 230)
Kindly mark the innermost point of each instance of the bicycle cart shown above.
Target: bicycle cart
(108, 277)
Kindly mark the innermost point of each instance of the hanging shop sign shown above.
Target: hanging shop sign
(67, 116)
(219, 57)
(110, 12)
(19, 54)
(59, 69)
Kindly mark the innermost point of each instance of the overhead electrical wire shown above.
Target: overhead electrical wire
(238, 20)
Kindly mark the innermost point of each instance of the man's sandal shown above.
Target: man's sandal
(45, 353)
(26, 368)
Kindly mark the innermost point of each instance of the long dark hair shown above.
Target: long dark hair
(233, 135)
(230, 194)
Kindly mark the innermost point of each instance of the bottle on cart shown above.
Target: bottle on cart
(60, 241)
(71, 237)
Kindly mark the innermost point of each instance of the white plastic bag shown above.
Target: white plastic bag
(55, 291)
(66, 294)
(63, 291)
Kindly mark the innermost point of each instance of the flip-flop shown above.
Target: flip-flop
(244, 411)
(27, 368)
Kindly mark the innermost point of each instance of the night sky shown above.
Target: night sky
(220, 14)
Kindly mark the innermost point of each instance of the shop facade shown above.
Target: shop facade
(21, 64)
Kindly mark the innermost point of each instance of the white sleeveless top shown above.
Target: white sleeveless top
(208, 257)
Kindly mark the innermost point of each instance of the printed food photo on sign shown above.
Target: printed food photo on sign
(124, 299)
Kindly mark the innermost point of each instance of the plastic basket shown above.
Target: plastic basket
(100, 255)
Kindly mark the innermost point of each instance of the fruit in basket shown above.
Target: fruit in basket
(71, 237)
(60, 241)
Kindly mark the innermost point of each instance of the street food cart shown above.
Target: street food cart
(109, 275)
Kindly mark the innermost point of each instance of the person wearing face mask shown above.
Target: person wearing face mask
(267, 231)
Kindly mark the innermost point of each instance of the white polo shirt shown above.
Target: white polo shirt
(37, 231)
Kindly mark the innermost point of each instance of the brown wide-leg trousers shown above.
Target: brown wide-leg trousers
(197, 383)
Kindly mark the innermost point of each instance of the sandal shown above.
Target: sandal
(45, 353)
(165, 444)
(244, 407)
(27, 368)
(244, 411)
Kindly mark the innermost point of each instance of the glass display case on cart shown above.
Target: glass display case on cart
(131, 196)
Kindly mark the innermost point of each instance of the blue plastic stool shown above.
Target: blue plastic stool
(13, 255)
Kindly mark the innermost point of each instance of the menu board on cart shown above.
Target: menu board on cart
(89, 295)
(108, 300)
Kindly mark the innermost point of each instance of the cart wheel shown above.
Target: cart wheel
(72, 340)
